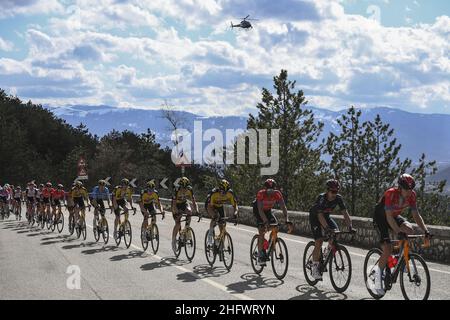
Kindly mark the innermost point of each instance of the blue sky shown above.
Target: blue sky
(141, 53)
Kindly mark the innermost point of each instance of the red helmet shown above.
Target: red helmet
(270, 184)
(406, 181)
(333, 184)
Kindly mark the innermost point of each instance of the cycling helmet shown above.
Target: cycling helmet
(184, 182)
(270, 184)
(19, 187)
(224, 185)
(60, 186)
(333, 184)
(79, 184)
(125, 181)
(48, 184)
(406, 181)
(41, 185)
(151, 184)
(101, 182)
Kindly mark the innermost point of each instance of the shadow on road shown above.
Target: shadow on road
(39, 233)
(80, 245)
(130, 255)
(57, 239)
(252, 282)
(102, 249)
(203, 271)
(165, 262)
(313, 293)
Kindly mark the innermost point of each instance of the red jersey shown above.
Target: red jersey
(47, 192)
(393, 201)
(58, 194)
(268, 200)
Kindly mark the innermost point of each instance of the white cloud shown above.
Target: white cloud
(11, 8)
(6, 45)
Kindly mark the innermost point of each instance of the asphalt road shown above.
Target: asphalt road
(39, 264)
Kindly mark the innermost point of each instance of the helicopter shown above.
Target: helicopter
(245, 24)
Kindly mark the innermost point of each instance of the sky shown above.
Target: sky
(146, 53)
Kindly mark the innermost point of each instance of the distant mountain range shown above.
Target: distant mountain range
(418, 133)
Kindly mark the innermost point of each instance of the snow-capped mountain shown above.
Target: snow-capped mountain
(418, 133)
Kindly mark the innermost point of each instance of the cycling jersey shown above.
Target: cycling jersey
(181, 195)
(149, 196)
(79, 192)
(217, 199)
(393, 201)
(17, 194)
(58, 194)
(122, 192)
(98, 194)
(325, 206)
(47, 192)
(3, 193)
(31, 192)
(269, 200)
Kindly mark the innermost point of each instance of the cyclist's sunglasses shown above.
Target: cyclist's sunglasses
(333, 191)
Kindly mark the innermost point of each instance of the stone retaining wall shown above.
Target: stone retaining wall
(366, 236)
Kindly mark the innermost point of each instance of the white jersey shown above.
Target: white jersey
(31, 192)
(17, 194)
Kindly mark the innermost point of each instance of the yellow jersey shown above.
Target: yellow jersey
(181, 195)
(79, 192)
(148, 196)
(218, 199)
(122, 192)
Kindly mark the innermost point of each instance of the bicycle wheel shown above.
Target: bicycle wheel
(179, 244)
(105, 230)
(226, 251)
(53, 224)
(370, 262)
(308, 263)
(71, 224)
(78, 229)
(127, 234)
(144, 240)
(280, 259)
(42, 222)
(118, 236)
(189, 246)
(155, 238)
(340, 269)
(95, 229)
(60, 225)
(412, 280)
(210, 251)
(83, 228)
(254, 255)
(49, 222)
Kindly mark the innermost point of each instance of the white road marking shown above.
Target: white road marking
(208, 281)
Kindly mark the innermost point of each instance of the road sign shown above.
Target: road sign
(132, 182)
(182, 161)
(177, 182)
(107, 181)
(163, 183)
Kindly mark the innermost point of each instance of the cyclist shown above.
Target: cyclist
(39, 200)
(319, 219)
(70, 204)
(3, 199)
(149, 197)
(30, 193)
(46, 195)
(265, 200)
(182, 193)
(57, 196)
(215, 200)
(120, 196)
(79, 195)
(387, 216)
(17, 199)
(99, 194)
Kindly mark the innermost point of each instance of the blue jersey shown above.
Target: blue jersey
(97, 194)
